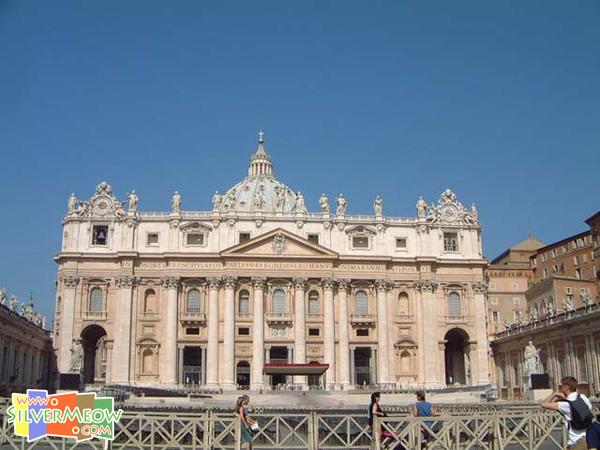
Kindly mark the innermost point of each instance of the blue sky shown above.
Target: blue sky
(497, 100)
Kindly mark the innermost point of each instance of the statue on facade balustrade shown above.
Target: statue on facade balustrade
(341, 205)
(568, 305)
(14, 303)
(133, 201)
(378, 206)
(72, 204)
(217, 200)
(534, 315)
(300, 204)
(176, 202)
(2, 296)
(421, 208)
(587, 301)
(324, 204)
(550, 309)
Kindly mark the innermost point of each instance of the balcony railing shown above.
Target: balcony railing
(93, 315)
(279, 318)
(363, 319)
(193, 317)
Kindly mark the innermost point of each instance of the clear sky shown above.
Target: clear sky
(497, 100)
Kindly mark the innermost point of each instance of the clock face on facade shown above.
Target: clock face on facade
(449, 213)
(102, 206)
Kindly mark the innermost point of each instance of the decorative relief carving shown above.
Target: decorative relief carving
(328, 283)
(278, 331)
(243, 349)
(314, 350)
(450, 211)
(382, 285)
(343, 284)
(479, 287)
(171, 282)
(279, 243)
(70, 281)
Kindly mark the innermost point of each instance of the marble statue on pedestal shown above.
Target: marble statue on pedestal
(76, 357)
(300, 205)
(217, 200)
(421, 208)
(14, 303)
(2, 296)
(533, 363)
(72, 205)
(568, 305)
(378, 206)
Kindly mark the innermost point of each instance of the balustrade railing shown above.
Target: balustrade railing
(458, 427)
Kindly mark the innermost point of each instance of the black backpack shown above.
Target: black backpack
(581, 414)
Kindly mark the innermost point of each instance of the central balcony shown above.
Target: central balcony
(363, 320)
(279, 318)
(192, 317)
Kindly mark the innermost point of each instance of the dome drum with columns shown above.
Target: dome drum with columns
(216, 298)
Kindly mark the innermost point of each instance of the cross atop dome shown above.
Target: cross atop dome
(260, 163)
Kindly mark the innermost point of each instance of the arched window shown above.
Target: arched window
(278, 301)
(244, 302)
(150, 301)
(313, 303)
(361, 303)
(194, 302)
(403, 307)
(454, 309)
(96, 300)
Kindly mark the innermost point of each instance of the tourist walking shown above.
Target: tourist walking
(422, 408)
(246, 422)
(575, 407)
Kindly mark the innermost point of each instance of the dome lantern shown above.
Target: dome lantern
(260, 163)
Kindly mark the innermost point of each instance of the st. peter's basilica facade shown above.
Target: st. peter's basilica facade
(254, 291)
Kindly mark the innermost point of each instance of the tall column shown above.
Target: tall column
(180, 379)
(258, 338)
(344, 341)
(383, 352)
(352, 371)
(122, 336)
(229, 333)
(67, 323)
(329, 330)
(169, 360)
(212, 349)
(482, 351)
(299, 326)
(428, 348)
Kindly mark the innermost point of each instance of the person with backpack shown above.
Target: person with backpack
(575, 407)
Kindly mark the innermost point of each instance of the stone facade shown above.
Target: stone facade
(25, 347)
(176, 297)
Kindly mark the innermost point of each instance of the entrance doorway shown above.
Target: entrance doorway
(362, 366)
(456, 357)
(278, 355)
(192, 365)
(93, 339)
(243, 374)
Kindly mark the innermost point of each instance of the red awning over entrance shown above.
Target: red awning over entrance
(295, 369)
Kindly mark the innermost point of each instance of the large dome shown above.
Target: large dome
(260, 191)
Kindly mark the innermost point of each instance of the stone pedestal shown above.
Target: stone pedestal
(537, 395)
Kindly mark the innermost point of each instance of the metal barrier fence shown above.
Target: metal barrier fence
(529, 429)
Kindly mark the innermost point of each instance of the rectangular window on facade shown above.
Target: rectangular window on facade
(243, 331)
(554, 253)
(515, 286)
(494, 300)
(545, 273)
(244, 305)
(192, 331)
(450, 242)
(584, 258)
(578, 274)
(362, 332)
(516, 301)
(313, 306)
(152, 239)
(555, 268)
(495, 316)
(565, 249)
(100, 235)
(314, 238)
(400, 242)
(244, 237)
(360, 242)
(195, 239)
(492, 286)
(314, 332)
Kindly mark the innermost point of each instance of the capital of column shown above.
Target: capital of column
(259, 282)
(343, 284)
(214, 283)
(426, 285)
(125, 281)
(171, 282)
(329, 283)
(299, 283)
(70, 281)
(479, 287)
(229, 282)
(382, 285)
(442, 345)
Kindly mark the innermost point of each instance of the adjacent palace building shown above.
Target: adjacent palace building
(259, 292)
